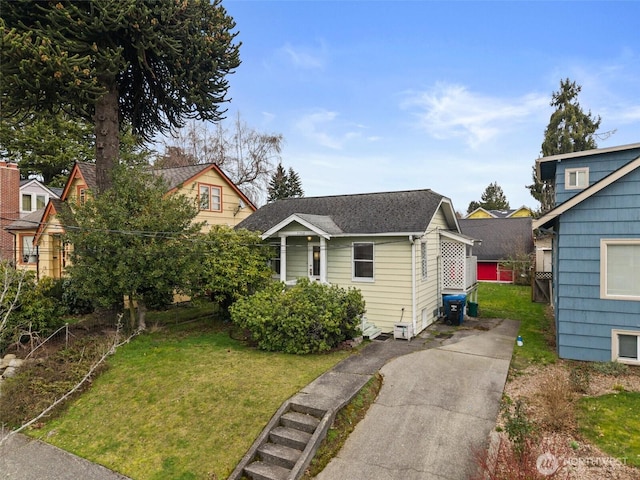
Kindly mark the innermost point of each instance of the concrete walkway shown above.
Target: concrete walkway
(435, 408)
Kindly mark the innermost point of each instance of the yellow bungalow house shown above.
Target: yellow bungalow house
(219, 200)
(402, 250)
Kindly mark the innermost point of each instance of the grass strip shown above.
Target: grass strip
(344, 423)
(499, 300)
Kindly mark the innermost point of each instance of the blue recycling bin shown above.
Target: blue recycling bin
(454, 308)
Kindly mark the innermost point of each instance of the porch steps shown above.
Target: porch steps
(286, 446)
(369, 330)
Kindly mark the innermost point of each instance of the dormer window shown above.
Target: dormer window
(576, 178)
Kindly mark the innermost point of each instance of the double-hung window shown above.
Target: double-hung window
(363, 261)
(620, 269)
(210, 197)
(576, 178)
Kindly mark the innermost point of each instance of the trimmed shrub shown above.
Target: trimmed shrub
(307, 318)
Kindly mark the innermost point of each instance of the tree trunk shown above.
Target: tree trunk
(132, 313)
(107, 131)
(142, 315)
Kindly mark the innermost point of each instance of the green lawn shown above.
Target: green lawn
(497, 300)
(612, 422)
(185, 402)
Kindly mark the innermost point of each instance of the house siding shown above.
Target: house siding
(599, 166)
(427, 291)
(390, 290)
(230, 215)
(584, 320)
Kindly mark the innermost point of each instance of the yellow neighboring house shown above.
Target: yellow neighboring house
(518, 212)
(219, 200)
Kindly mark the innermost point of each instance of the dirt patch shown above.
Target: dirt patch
(583, 460)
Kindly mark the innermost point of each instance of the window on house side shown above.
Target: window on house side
(423, 258)
(274, 262)
(625, 346)
(26, 202)
(28, 253)
(210, 198)
(576, 178)
(363, 261)
(40, 201)
(620, 269)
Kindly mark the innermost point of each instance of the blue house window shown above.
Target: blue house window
(620, 269)
(576, 178)
(625, 346)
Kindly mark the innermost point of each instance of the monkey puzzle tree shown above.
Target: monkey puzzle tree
(147, 63)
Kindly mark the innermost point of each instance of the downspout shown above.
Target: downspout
(413, 283)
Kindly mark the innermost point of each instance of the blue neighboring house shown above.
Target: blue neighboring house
(596, 252)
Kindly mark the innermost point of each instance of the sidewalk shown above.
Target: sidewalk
(22, 458)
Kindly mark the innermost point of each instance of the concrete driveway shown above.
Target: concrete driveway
(435, 409)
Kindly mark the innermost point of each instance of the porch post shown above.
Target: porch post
(323, 260)
(283, 258)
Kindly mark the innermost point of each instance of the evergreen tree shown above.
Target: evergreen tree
(493, 198)
(570, 129)
(277, 188)
(294, 184)
(151, 64)
(284, 184)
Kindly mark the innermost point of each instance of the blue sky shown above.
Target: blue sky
(398, 95)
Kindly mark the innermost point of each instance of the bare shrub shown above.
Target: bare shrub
(536, 461)
(556, 399)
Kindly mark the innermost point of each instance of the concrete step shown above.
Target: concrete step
(279, 455)
(290, 437)
(309, 410)
(266, 471)
(300, 421)
(370, 331)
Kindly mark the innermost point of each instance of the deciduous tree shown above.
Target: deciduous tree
(150, 64)
(133, 240)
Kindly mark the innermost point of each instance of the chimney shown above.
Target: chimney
(9, 207)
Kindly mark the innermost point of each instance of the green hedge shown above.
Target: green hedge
(307, 318)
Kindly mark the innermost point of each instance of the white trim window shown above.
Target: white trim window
(363, 261)
(620, 269)
(424, 260)
(625, 346)
(576, 178)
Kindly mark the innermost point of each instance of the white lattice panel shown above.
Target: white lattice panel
(453, 264)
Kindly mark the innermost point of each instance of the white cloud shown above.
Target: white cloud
(325, 128)
(305, 57)
(452, 111)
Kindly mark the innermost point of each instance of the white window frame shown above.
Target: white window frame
(424, 260)
(605, 243)
(577, 185)
(354, 260)
(615, 344)
(28, 251)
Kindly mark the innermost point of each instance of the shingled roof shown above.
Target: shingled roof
(174, 177)
(368, 213)
(501, 237)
